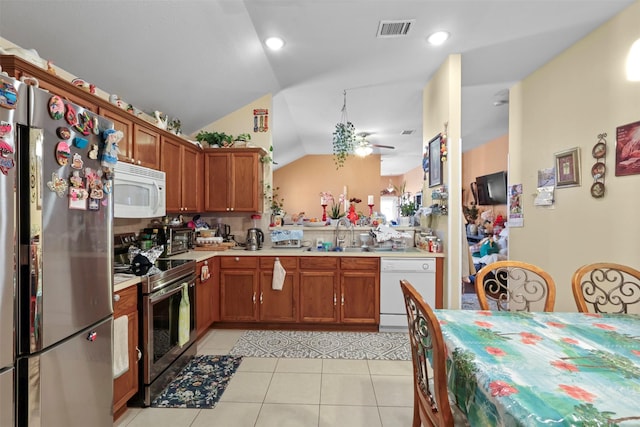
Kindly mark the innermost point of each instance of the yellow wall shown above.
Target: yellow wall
(302, 181)
(567, 103)
(441, 103)
(485, 159)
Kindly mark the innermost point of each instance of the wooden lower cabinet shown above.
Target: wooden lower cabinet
(206, 298)
(360, 290)
(126, 385)
(238, 289)
(319, 289)
(278, 305)
(330, 291)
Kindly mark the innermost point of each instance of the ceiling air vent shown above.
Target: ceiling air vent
(394, 28)
(407, 132)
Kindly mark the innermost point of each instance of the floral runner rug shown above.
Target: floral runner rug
(324, 345)
(200, 384)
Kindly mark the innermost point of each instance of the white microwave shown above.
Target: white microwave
(138, 192)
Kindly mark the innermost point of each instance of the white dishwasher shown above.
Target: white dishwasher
(420, 272)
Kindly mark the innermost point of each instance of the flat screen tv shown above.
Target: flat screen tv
(492, 189)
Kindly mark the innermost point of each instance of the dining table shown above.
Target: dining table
(543, 369)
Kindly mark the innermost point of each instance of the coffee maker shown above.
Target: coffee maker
(255, 239)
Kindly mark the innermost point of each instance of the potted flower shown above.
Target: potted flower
(334, 210)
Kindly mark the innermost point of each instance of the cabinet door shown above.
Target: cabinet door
(191, 178)
(171, 165)
(278, 306)
(217, 173)
(245, 183)
(126, 385)
(318, 296)
(204, 297)
(146, 146)
(238, 295)
(125, 146)
(359, 297)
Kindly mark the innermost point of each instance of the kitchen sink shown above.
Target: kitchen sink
(348, 249)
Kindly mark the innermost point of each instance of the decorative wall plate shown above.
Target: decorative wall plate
(597, 190)
(599, 150)
(598, 170)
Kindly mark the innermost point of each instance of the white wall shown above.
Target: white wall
(567, 103)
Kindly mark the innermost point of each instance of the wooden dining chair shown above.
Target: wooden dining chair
(515, 286)
(606, 288)
(431, 405)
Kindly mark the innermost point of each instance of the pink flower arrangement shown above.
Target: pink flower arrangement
(336, 205)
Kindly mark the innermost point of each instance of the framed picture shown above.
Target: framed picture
(435, 162)
(568, 168)
(628, 149)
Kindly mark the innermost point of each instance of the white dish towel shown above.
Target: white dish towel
(120, 346)
(279, 274)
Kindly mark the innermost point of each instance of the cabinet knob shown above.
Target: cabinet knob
(260, 297)
(342, 299)
(139, 353)
(139, 162)
(254, 298)
(116, 297)
(335, 299)
(237, 259)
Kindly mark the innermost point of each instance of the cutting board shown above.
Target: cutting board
(215, 247)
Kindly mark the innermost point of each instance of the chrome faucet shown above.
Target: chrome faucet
(340, 239)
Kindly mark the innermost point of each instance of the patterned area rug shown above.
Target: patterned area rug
(470, 302)
(324, 345)
(200, 384)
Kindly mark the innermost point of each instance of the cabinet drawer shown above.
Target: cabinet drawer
(289, 263)
(371, 264)
(127, 302)
(318, 263)
(239, 262)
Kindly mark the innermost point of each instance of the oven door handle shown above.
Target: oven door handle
(168, 291)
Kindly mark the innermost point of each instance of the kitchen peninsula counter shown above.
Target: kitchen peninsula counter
(200, 255)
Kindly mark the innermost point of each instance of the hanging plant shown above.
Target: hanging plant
(344, 137)
(343, 142)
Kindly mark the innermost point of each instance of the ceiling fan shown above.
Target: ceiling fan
(363, 147)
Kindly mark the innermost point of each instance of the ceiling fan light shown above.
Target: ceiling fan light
(363, 150)
(438, 38)
(274, 43)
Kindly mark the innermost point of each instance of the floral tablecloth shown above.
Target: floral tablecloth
(543, 369)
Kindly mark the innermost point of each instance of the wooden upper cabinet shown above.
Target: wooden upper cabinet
(233, 180)
(182, 164)
(146, 146)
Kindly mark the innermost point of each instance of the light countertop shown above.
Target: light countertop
(203, 255)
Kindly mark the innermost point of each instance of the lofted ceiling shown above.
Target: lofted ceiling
(201, 60)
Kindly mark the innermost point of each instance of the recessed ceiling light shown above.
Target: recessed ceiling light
(437, 38)
(274, 43)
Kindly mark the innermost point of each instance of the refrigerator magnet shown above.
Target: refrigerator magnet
(6, 163)
(5, 128)
(84, 124)
(56, 107)
(8, 95)
(78, 198)
(76, 180)
(63, 132)
(57, 185)
(71, 116)
(63, 153)
(80, 142)
(93, 152)
(94, 126)
(106, 186)
(94, 205)
(77, 162)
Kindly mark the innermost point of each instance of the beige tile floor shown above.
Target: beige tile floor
(271, 392)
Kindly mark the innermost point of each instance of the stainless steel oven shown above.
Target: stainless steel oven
(162, 293)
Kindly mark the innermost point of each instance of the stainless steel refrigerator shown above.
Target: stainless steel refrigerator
(56, 230)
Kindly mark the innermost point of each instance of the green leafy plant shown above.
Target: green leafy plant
(276, 203)
(470, 213)
(220, 139)
(344, 139)
(243, 137)
(334, 210)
